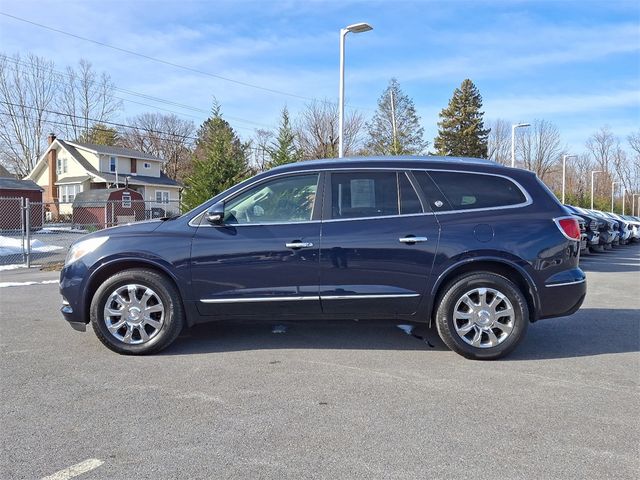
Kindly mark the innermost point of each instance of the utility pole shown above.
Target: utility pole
(393, 124)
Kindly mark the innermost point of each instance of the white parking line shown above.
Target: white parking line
(22, 284)
(75, 470)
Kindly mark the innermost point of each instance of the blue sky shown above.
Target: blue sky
(575, 63)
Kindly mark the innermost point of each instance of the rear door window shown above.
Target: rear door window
(467, 191)
(373, 194)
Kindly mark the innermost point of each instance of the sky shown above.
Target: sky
(574, 63)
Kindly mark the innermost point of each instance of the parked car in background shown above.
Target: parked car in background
(624, 227)
(478, 249)
(635, 227)
(592, 228)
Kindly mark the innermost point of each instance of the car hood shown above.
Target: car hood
(125, 230)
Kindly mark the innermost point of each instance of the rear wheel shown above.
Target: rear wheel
(137, 312)
(482, 316)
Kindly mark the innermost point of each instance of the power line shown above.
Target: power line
(172, 64)
(142, 95)
(158, 60)
(95, 127)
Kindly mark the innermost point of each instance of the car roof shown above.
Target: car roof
(408, 161)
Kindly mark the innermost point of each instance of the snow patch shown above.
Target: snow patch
(23, 284)
(12, 267)
(408, 329)
(13, 246)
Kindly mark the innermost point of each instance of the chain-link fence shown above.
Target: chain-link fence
(40, 233)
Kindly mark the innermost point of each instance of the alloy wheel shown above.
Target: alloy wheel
(134, 313)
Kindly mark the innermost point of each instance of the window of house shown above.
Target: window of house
(465, 191)
(61, 165)
(113, 164)
(162, 196)
(147, 165)
(68, 192)
(282, 200)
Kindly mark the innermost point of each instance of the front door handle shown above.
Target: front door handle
(412, 239)
(298, 244)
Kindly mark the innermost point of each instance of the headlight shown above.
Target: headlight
(80, 249)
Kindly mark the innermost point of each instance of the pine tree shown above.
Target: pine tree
(283, 149)
(100, 134)
(220, 160)
(461, 129)
(408, 135)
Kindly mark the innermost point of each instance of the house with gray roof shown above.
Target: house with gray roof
(67, 168)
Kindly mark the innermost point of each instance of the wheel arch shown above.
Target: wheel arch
(499, 266)
(117, 265)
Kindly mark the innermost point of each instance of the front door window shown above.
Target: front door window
(284, 200)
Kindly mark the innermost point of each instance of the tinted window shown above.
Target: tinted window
(364, 194)
(435, 199)
(409, 201)
(468, 190)
(284, 200)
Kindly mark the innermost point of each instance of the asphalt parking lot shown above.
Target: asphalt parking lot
(324, 400)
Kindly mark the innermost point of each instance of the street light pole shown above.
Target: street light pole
(593, 172)
(633, 203)
(513, 141)
(624, 192)
(564, 172)
(613, 184)
(355, 28)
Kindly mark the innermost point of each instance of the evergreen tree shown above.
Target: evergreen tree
(408, 135)
(100, 134)
(220, 160)
(461, 129)
(283, 149)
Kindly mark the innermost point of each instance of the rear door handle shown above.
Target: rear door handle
(412, 239)
(298, 244)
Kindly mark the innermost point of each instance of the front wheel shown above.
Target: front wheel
(482, 316)
(137, 312)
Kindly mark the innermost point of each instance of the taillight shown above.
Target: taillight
(569, 227)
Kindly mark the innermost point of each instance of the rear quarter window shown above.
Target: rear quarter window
(467, 191)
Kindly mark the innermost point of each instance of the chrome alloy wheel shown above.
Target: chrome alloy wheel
(134, 314)
(483, 317)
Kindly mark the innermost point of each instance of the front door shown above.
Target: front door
(378, 244)
(264, 258)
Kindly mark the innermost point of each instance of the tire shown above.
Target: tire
(496, 330)
(149, 323)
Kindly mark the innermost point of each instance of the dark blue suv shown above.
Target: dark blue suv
(479, 249)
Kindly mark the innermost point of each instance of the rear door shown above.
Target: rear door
(378, 244)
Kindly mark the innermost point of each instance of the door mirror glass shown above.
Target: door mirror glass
(215, 214)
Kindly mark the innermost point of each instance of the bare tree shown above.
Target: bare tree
(317, 131)
(260, 157)
(499, 148)
(85, 98)
(164, 135)
(540, 147)
(27, 91)
(602, 146)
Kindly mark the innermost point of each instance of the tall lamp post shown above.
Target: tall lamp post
(564, 172)
(355, 28)
(513, 141)
(633, 203)
(624, 192)
(613, 184)
(593, 172)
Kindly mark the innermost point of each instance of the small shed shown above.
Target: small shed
(12, 194)
(106, 207)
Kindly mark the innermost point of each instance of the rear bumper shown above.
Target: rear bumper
(563, 296)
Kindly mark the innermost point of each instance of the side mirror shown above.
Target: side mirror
(215, 214)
